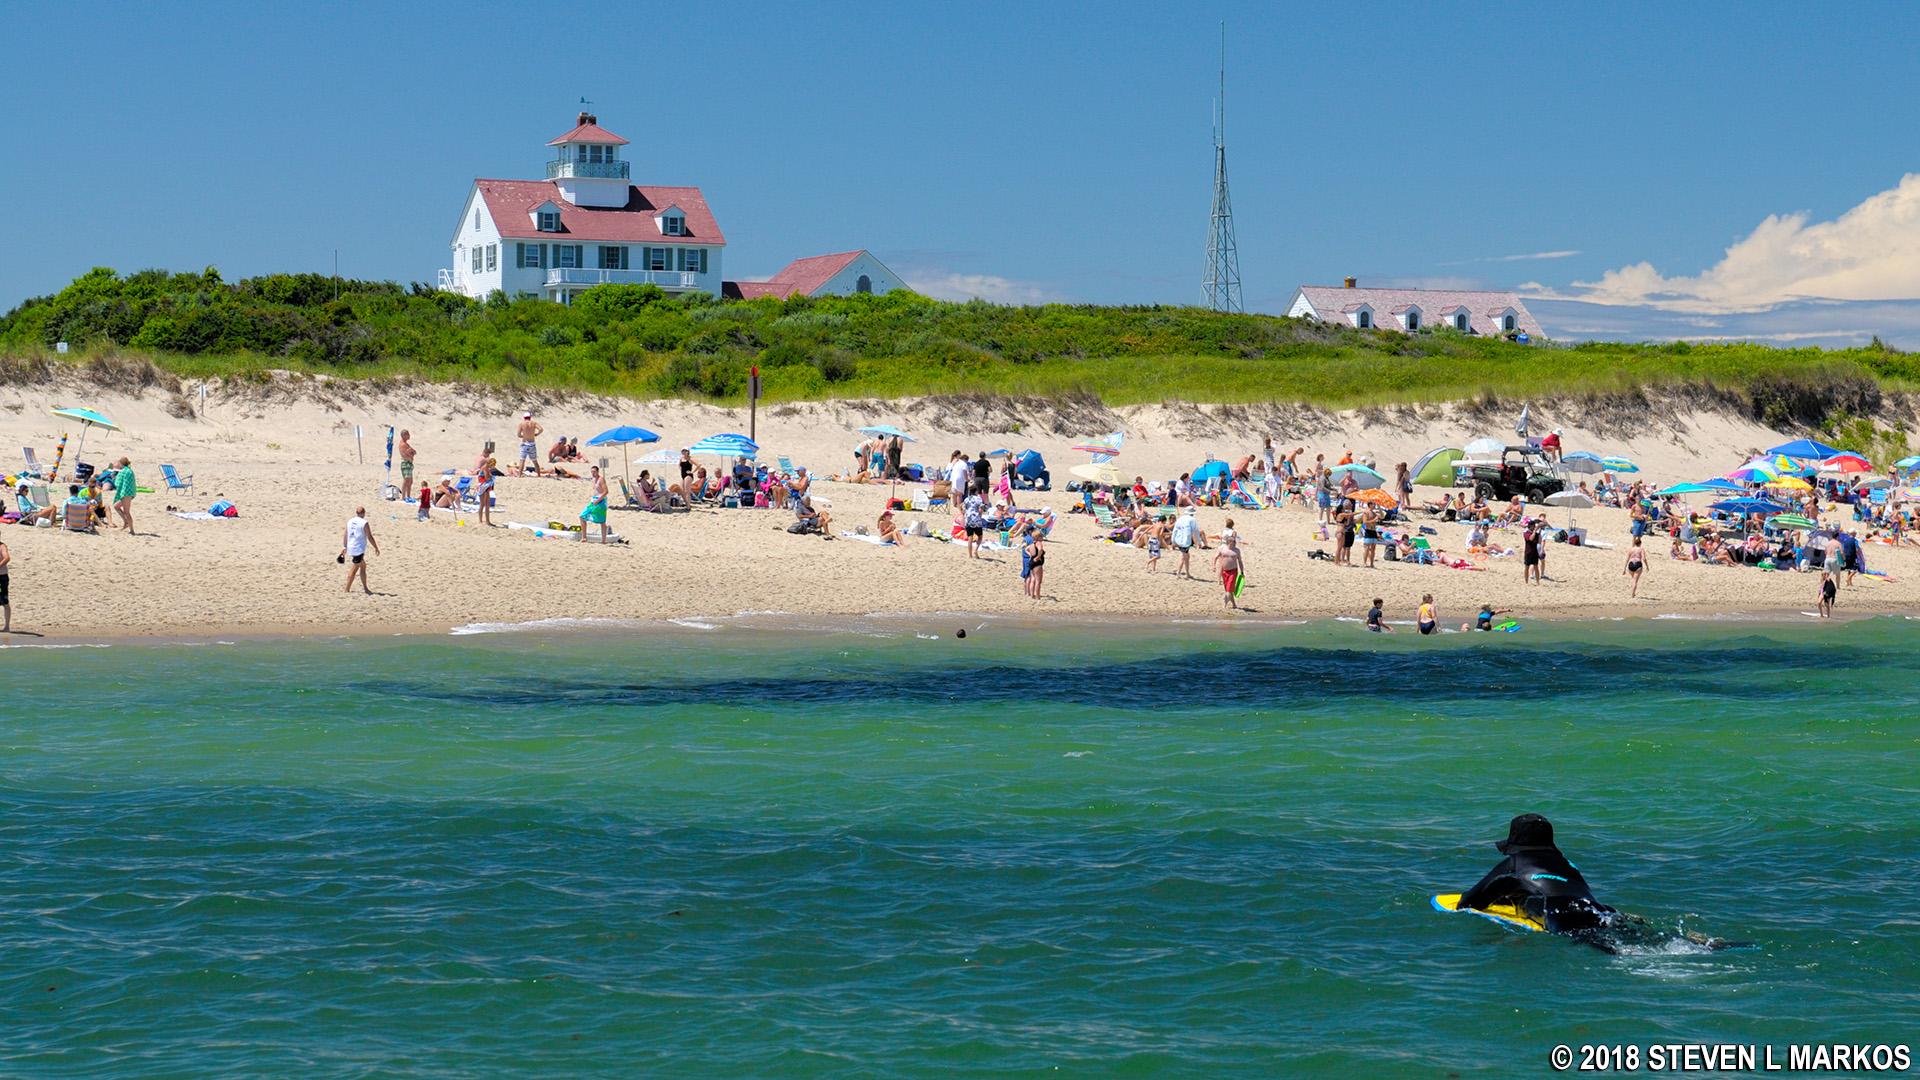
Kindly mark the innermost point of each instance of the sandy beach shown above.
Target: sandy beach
(284, 452)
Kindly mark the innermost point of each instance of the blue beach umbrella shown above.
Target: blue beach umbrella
(1694, 489)
(887, 430)
(1749, 506)
(1906, 463)
(88, 420)
(623, 436)
(725, 445)
(1620, 464)
(1805, 450)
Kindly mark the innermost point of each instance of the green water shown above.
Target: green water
(1090, 851)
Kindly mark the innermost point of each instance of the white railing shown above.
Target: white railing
(666, 279)
(447, 282)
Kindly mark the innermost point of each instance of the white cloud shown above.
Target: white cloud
(944, 285)
(1828, 323)
(1535, 255)
(1871, 252)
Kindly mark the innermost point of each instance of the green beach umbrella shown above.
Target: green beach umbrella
(1792, 521)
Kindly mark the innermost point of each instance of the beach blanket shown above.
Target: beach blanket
(198, 515)
(542, 532)
(848, 534)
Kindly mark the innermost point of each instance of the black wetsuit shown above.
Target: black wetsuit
(1541, 882)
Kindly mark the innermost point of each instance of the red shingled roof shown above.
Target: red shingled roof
(512, 203)
(806, 275)
(592, 133)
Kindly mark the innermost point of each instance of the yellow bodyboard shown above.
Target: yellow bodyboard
(1505, 914)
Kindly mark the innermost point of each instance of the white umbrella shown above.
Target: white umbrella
(1480, 448)
(1104, 473)
(1572, 500)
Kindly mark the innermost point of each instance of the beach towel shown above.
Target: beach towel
(542, 532)
(198, 515)
(847, 534)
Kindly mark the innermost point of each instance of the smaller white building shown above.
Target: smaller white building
(1491, 314)
(842, 274)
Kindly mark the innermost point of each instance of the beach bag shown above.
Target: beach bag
(223, 508)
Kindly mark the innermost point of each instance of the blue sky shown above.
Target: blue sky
(1021, 151)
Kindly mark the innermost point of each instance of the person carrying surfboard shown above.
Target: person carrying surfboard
(1537, 879)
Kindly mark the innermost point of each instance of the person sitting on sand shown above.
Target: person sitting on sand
(446, 496)
(888, 531)
(1514, 512)
(558, 451)
(815, 520)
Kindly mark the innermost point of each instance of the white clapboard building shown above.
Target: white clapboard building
(589, 224)
(1495, 314)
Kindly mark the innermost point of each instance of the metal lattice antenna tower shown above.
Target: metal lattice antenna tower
(1222, 281)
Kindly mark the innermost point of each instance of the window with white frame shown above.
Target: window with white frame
(478, 256)
(659, 258)
(673, 225)
(1507, 323)
(549, 221)
(1364, 319)
(1460, 321)
(1413, 319)
(566, 256)
(493, 257)
(613, 257)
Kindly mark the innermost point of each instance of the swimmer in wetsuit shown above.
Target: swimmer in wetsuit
(1536, 878)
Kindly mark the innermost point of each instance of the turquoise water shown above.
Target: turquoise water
(1093, 851)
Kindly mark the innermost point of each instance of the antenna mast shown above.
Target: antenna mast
(1222, 281)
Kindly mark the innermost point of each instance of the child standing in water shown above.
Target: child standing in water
(1827, 593)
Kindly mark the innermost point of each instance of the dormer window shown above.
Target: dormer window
(1363, 319)
(1413, 319)
(1508, 322)
(549, 221)
(673, 224)
(1460, 321)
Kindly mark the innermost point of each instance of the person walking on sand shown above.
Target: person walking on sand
(1530, 554)
(1228, 562)
(1033, 562)
(1827, 590)
(354, 541)
(1156, 537)
(596, 511)
(1183, 538)
(406, 461)
(529, 433)
(975, 523)
(1636, 565)
(123, 492)
(6, 601)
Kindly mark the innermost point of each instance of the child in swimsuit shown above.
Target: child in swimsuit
(1429, 622)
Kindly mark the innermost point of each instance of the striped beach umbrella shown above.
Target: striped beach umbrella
(725, 445)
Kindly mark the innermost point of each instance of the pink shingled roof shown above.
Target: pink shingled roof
(512, 203)
(806, 275)
(592, 133)
(1483, 308)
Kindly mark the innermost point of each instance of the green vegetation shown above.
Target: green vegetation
(636, 340)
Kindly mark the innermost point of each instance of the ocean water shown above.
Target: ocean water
(1116, 851)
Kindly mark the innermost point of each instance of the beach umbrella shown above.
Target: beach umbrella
(1362, 475)
(1619, 464)
(1906, 463)
(88, 419)
(1104, 473)
(1696, 489)
(1376, 497)
(1485, 448)
(1877, 483)
(1002, 452)
(889, 431)
(661, 457)
(1754, 472)
(1107, 445)
(725, 445)
(1792, 521)
(1846, 464)
(1805, 450)
(624, 436)
(1572, 500)
(1790, 483)
(1582, 461)
(1749, 506)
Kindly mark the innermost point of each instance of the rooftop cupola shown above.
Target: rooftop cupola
(586, 165)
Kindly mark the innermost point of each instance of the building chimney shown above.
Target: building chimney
(585, 119)
(1351, 282)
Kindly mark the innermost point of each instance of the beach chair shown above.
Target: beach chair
(77, 517)
(785, 464)
(33, 463)
(176, 482)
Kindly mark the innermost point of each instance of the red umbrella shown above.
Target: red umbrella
(1846, 464)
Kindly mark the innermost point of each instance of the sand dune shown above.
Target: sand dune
(285, 454)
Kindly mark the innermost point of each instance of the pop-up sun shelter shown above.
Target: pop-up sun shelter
(1435, 467)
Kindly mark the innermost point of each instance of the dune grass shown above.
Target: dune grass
(636, 341)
